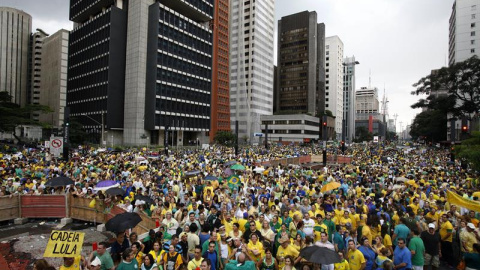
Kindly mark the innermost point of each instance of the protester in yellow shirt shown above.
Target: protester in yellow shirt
(343, 264)
(284, 250)
(356, 259)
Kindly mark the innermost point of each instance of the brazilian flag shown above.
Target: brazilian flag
(233, 181)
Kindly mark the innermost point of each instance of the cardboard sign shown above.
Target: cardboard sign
(64, 244)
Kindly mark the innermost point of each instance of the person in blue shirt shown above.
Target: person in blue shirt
(212, 255)
(368, 253)
(402, 257)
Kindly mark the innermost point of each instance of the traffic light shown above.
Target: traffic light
(343, 146)
(465, 129)
(324, 124)
(452, 154)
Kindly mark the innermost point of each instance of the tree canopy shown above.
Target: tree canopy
(226, 138)
(431, 125)
(459, 82)
(12, 115)
(470, 150)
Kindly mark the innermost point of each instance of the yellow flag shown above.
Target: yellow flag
(458, 200)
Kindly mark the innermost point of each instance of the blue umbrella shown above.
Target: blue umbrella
(211, 178)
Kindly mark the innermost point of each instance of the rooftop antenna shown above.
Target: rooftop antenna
(370, 78)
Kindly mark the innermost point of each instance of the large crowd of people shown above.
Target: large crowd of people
(389, 209)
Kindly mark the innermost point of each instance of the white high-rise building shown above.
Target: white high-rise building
(349, 97)
(251, 64)
(464, 42)
(464, 38)
(334, 80)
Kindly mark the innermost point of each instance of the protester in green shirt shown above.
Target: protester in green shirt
(128, 261)
(105, 258)
(417, 248)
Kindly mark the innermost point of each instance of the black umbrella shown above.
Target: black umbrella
(146, 199)
(59, 182)
(115, 191)
(191, 173)
(321, 255)
(123, 222)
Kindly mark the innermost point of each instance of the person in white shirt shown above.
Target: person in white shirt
(308, 225)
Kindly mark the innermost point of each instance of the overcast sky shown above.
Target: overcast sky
(396, 41)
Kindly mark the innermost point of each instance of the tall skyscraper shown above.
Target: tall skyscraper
(179, 70)
(220, 106)
(96, 65)
(33, 92)
(464, 37)
(349, 98)
(334, 80)
(143, 67)
(301, 61)
(53, 77)
(251, 64)
(15, 30)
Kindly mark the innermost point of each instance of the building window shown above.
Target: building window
(472, 42)
(473, 16)
(472, 34)
(472, 50)
(472, 25)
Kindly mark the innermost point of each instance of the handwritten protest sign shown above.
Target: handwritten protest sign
(64, 244)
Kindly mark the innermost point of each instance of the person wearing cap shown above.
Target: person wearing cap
(284, 250)
(468, 238)
(417, 248)
(96, 264)
(431, 240)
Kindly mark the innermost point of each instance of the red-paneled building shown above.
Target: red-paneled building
(220, 106)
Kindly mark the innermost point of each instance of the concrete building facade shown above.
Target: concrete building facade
(349, 98)
(251, 64)
(34, 91)
(53, 77)
(334, 80)
(464, 30)
(367, 104)
(143, 69)
(179, 71)
(15, 31)
(291, 127)
(464, 42)
(301, 66)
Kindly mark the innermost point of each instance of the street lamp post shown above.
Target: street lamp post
(102, 124)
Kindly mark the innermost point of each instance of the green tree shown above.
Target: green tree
(77, 134)
(431, 124)
(470, 150)
(226, 138)
(460, 81)
(362, 134)
(12, 115)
